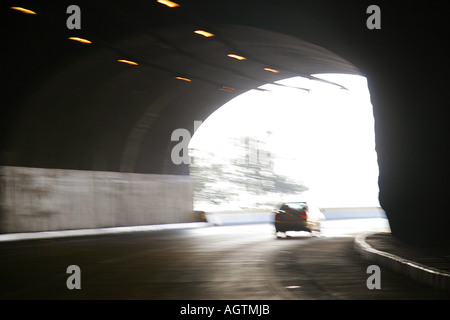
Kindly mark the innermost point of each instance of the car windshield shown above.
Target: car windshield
(294, 206)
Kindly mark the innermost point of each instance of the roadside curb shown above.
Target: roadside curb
(98, 231)
(433, 277)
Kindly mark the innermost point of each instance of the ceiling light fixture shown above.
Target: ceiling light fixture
(204, 33)
(184, 79)
(128, 62)
(80, 40)
(227, 89)
(235, 56)
(23, 10)
(168, 3)
(271, 70)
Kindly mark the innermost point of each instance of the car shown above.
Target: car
(297, 216)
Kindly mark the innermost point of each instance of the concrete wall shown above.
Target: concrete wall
(35, 199)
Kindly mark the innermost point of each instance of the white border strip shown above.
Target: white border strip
(98, 231)
(437, 278)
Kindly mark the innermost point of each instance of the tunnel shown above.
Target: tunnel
(111, 105)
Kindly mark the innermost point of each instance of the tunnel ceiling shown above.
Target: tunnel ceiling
(73, 105)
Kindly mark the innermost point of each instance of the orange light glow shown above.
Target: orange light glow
(271, 70)
(80, 40)
(168, 3)
(227, 89)
(128, 62)
(235, 56)
(23, 10)
(184, 79)
(204, 33)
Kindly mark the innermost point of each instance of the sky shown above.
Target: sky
(323, 138)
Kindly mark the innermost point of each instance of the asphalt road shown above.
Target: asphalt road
(238, 262)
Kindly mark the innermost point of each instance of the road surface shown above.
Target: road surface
(235, 262)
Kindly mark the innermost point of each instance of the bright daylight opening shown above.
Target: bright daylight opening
(284, 143)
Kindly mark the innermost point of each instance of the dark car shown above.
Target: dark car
(297, 216)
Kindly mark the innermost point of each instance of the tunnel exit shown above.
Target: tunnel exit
(294, 138)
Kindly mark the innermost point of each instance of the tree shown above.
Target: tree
(250, 171)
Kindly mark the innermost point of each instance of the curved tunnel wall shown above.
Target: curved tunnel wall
(92, 113)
